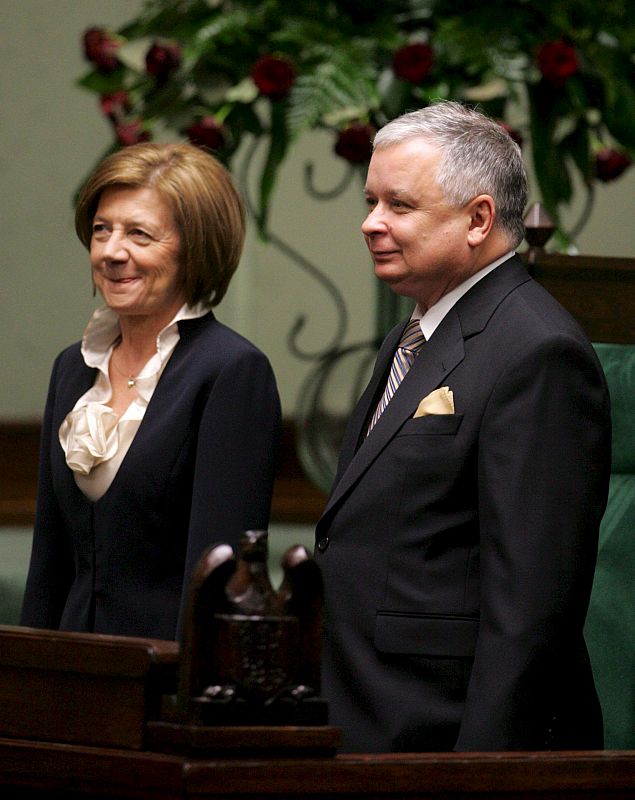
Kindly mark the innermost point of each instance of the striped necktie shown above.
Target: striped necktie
(411, 342)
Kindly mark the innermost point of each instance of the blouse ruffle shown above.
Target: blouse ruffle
(93, 437)
(89, 436)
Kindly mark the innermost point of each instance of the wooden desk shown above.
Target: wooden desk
(39, 770)
(76, 711)
(598, 291)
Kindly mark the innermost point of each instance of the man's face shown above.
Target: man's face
(417, 241)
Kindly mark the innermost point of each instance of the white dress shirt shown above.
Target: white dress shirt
(431, 319)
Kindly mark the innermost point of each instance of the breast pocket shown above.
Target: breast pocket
(432, 425)
(426, 634)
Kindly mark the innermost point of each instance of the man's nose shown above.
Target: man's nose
(374, 222)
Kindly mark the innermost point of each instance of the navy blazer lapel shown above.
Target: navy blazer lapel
(439, 356)
(162, 396)
(74, 382)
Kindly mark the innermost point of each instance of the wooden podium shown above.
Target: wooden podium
(84, 689)
(77, 713)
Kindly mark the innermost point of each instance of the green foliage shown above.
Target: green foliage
(342, 53)
(339, 90)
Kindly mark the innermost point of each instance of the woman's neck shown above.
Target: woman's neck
(139, 332)
(138, 340)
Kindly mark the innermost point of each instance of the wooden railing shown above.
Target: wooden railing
(39, 770)
(75, 711)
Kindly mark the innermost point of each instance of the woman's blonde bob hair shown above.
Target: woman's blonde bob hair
(207, 208)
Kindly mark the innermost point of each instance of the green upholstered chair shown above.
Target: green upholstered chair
(610, 628)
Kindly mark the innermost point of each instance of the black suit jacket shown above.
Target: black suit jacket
(199, 471)
(458, 550)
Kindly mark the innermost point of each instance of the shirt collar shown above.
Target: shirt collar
(431, 319)
(103, 331)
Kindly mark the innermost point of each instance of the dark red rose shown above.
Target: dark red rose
(131, 133)
(207, 132)
(101, 49)
(610, 164)
(273, 76)
(354, 143)
(557, 61)
(515, 135)
(115, 105)
(162, 60)
(413, 62)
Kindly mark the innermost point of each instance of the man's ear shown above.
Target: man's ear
(482, 214)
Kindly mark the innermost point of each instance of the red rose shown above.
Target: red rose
(162, 60)
(101, 49)
(131, 133)
(115, 105)
(557, 61)
(207, 132)
(354, 143)
(413, 62)
(273, 76)
(515, 135)
(610, 164)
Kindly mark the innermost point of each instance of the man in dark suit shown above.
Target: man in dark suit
(458, 544)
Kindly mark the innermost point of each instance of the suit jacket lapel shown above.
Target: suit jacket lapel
(356, 427)
(439, 356)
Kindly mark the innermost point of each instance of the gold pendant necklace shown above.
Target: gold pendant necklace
(130, 379)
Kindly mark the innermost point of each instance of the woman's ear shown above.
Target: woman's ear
(482, 215)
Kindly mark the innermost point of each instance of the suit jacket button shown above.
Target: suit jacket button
(323, 544)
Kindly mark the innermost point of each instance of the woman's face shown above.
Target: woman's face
(134, 254)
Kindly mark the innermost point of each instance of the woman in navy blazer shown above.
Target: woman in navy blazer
(161, 425)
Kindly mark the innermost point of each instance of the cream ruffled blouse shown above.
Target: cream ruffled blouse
(94, 438)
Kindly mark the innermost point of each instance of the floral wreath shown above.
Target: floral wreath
(217, 71)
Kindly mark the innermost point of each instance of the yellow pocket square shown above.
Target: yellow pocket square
(440, 401)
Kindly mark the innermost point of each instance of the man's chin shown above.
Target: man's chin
(391, 278)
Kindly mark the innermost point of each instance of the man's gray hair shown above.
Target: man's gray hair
(478, 156)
